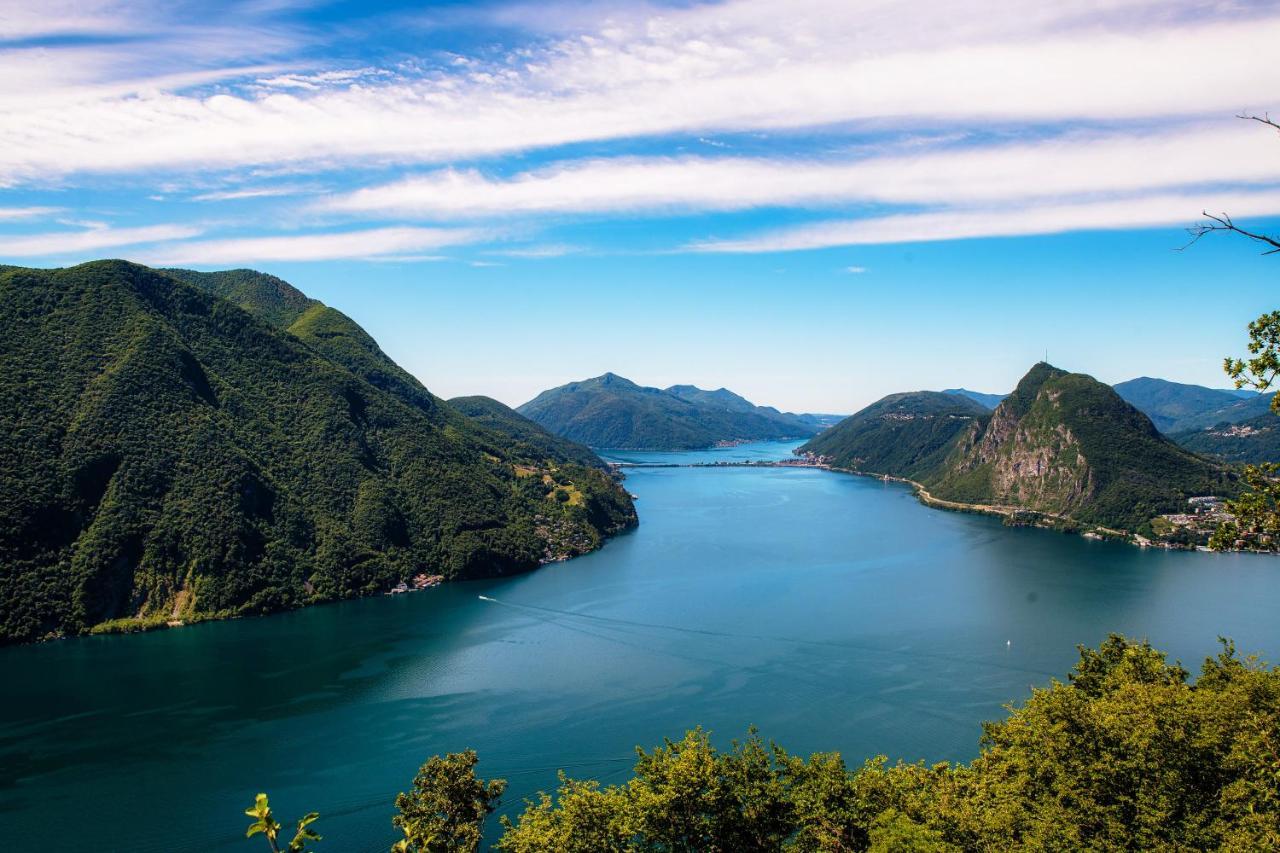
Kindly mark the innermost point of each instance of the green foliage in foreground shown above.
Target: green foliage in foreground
(1126, 754)
(266, 824)
(1256, 513)
(446, 809)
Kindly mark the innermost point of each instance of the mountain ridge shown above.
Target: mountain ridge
(1176, 407)
(1061, 444)
(170, 456)
(610, 411)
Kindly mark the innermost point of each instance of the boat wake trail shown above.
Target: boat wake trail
(552, 613)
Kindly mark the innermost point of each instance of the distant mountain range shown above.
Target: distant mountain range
(1062, 444)
(178, 445)
(988, 401)
(612, 412)
(1175, 407)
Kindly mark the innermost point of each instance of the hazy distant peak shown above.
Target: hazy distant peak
(990, 401)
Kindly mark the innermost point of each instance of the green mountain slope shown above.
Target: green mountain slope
(903, 435)
(325, 329)
(526, 436)
(167, 454)
(1066, 444)
(1251, 441)
(1175, 407)
(613, 412)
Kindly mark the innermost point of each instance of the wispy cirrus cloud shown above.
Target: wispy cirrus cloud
(76, 243)
(1059, 106)
(1071, 164)
(957, 224)
(726, 67)
(13, 213)
(544, 250)
(373, 244)
(253, 192)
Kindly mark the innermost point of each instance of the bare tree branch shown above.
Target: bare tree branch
(1263, 119)
(1224, 223)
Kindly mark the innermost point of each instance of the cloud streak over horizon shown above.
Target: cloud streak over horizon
(884, 112)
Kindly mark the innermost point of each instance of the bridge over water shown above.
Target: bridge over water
(742, 463)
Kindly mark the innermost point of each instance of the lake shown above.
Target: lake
(831, 611)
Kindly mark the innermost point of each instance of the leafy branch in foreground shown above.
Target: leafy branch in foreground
(1262, 367)
(1255, 515)
(270, 827)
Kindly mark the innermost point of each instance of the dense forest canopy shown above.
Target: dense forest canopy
(166, 454)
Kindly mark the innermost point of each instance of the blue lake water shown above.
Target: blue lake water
(832, 611)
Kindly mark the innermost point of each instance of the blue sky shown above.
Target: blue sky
(813, 204)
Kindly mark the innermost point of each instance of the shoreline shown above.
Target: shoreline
(1013, 516)
(150, 624)
(1021, 517)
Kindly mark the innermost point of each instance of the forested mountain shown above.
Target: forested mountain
(988, 401)
(524, 433)
(612, 412)
(1253, 441)
(820, 420)
(1061, 444)
(1065, 444)
(1175, 407)
(905, 435)
(176, 452)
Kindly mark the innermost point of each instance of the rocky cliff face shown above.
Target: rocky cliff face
(1065, 444)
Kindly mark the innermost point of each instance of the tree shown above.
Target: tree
(445, 811)
(269, 827)
(1125, 754)
(1255, 520)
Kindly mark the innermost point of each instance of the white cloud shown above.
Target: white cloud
(252, 192)
(24, 20)
(549, 250)
(729, 66)
(11, 213)
(1151, 210)
(1073, 164)
(76, 243)
(366, 244)
(855, 270)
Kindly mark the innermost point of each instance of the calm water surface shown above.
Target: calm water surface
(834, 612)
